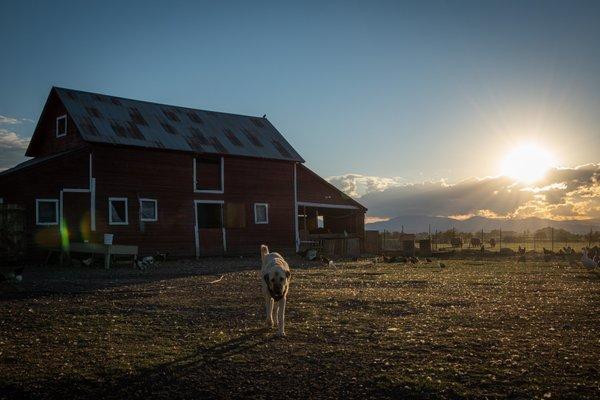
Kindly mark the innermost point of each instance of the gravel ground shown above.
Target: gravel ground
(475, 329)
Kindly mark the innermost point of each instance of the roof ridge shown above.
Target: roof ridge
(157, 103)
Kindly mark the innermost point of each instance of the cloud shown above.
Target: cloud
(10, 140)
(564, 193)
(4, 120)
(9, 120)
(356, 185)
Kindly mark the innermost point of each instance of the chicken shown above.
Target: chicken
(588, 262)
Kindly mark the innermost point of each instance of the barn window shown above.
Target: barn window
(148, 210)
(46, 212)
(117, 211)
(209, 215)
(261, 213)
(320, 221)
(61, 126)
(208, 174)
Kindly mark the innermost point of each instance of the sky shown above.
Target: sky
(387, 95)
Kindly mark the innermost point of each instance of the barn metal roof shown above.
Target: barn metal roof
(120, 121)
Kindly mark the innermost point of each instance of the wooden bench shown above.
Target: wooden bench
(106, 250)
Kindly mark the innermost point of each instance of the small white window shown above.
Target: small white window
(61, 126)
(46, 212)
(320, 221)
(148, 210)
(117, 211)
(261, 213)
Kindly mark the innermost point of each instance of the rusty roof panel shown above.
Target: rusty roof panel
(232, 138)
(218, 145)
(251, 136)
(136, 116)
(281, 149)
(194, 117)
(87, 125)
(93, 112)
(121, 121)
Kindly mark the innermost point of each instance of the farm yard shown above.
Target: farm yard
(477, 329)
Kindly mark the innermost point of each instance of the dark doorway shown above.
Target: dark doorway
(76, 217)
(210, 232)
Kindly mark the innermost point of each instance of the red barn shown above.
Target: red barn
(170, 179)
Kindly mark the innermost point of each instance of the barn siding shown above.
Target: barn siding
(168, 178)
(44, 181)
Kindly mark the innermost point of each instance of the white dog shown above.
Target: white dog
(275, 274)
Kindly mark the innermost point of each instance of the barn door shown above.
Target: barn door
(76, 217)
(210, 231)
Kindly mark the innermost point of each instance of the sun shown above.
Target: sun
(527, 163)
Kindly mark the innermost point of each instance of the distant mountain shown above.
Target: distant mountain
(420, 223)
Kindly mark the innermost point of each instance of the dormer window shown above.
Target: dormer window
(61, 126)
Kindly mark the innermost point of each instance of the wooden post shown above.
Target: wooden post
(500, 248)
(552, 239)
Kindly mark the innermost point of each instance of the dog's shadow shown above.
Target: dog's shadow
(224, 350)
(240, 344)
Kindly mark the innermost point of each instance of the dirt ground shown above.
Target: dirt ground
(476, 329)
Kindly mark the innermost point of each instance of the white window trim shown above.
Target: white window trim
(222, 163)
(37, 212)
(110, 221)
(155, 210)
(256, 221)
(58, 119)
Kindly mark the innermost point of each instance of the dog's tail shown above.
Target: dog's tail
(264, 250)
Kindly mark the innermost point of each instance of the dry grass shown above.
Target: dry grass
(474, 329)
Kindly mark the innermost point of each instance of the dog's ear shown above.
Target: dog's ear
(266, 278)
(288, 274)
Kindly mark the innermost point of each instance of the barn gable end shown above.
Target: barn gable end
(45, 140)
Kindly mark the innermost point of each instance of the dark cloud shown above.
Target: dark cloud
(563, 193)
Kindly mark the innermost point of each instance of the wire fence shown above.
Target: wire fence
(549, 240)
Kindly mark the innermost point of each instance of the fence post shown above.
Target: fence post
(552, 236)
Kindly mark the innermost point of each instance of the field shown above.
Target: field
(476, 329)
